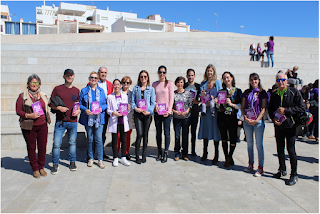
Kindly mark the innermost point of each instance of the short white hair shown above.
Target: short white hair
(281, 73)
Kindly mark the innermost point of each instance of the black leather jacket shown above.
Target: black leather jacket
(293, 104)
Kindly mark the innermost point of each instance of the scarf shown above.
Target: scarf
(34, 94)
(94, 119)
(281, 93)
(252, 97)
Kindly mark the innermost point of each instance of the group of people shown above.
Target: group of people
(103, 105)
(256, 54)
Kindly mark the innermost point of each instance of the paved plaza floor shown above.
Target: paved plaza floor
(175, 186)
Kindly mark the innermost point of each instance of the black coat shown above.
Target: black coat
(292, 102)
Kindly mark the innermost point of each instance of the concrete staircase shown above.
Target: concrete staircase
(128, 54)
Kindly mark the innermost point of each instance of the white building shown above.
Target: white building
(5, 16)
(152, 24)
(82, 18)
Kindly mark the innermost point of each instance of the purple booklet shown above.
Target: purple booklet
(37, 108)
(206, 98)
(162, 108)
(142, 104)
(180, 106)
(280, 117)
(76, 107)
(123, 108)
(95, 107)
(193, 94)
(251, 114)
(222, 97)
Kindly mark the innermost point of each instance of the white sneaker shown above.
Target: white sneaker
(90, 163)
(124, 161)
(115, 162)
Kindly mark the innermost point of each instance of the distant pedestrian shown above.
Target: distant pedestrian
(252, 52)
(270, 50)
(33, 124)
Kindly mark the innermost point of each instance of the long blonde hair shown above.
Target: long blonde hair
(205, 76)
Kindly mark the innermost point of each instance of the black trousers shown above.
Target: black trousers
(228, 123)
(281, 135)
(193, 123)
(123, 138)
(142, 124)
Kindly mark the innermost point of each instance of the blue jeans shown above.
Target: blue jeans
(178, 124)
(59, 129)
(159, 120)
(94, 138)
(270, 55)
(258, 130)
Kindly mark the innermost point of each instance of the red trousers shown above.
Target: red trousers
(128, 141)
(37, 137)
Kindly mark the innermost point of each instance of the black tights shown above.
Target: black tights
(123, 138)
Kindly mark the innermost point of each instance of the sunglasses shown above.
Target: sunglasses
(94, 77)
(143, 76)
(128, 83)
(34, 83)
(162, 72)
(282, 80)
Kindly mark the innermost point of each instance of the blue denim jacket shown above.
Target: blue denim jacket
(149, 95)
(84, 104)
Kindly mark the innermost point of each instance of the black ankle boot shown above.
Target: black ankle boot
(144, 156)
(204, 156)
(279, 174)
(165, 157)
(293, 180)
(138, 161)
(159, 157)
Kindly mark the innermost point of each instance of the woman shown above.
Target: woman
(254, 102)
(292, 74)
(181, 116)
(270, 50)
(208, 129)
(252, 52)
(34, 124)
(259, 52)
(164, 91)
(227, 116)
(142, 117)
(126, 82)
(118, 123)
(92, 119)
(284, 103)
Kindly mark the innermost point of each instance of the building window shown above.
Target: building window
(12, 28)
(1, 28)
(104, 18)
(28, 28)
(3, 17)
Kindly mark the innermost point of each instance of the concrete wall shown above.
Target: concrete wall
(129, 53)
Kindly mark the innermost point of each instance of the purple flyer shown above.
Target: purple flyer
(123, 108)
(95, 107)
(142, 104)
(76, 107)
(251, 114)
(180, 106)
(206, 98)
(37, 108)
(280, 117)
(222, 97)
(162, 108)
(193, 94)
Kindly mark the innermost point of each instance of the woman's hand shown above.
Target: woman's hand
(99, 112)
(156, 108)
(184, 113)
(76, 113)
(116, 113)
(146, 113)
(138, 110)
(33, 115)
(88, 112)
(228, 101)
(203, 93)
(166, 114)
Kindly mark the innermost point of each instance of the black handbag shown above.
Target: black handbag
(303, 119)
(56, 101)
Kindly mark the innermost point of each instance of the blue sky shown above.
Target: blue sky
(262, 18)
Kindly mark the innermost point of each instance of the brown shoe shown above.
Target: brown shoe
(42, 172)
(36, 174)
(227, 163)
(185, 158)
(311, 137)
(215, 160)
(176, 158)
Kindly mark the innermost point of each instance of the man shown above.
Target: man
(285, 102)
(194, 117)
(65, 120)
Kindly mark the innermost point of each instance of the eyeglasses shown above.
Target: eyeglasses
(282, 80)
(128, 83)
(162, 72)
(94, 77)
(34, 83)
(143, 76)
